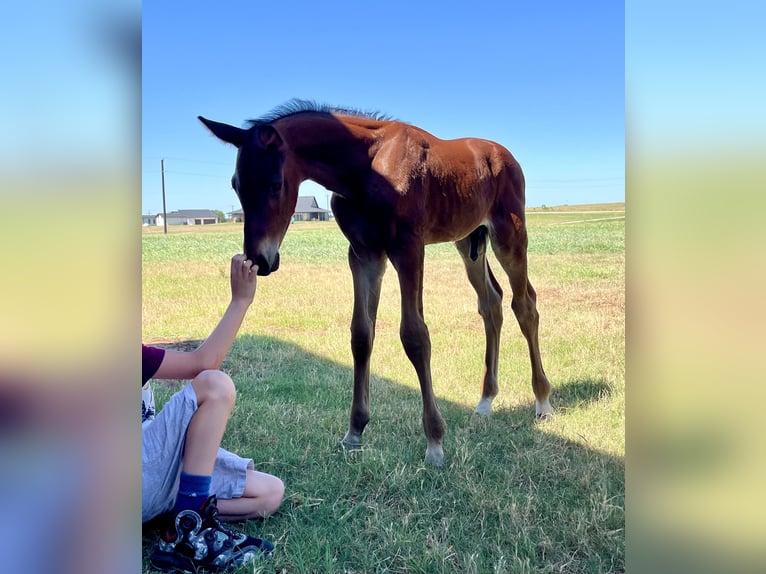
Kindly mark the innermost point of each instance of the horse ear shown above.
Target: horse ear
(268, 137)
(225, 132)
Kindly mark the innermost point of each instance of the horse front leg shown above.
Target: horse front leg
(367, 271)
(408, 261)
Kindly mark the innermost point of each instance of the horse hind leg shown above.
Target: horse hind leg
(509, 242)
(490, 300)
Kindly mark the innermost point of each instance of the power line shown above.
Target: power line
(572, 186)
(188, 160)
(191, 173)
(564, 180)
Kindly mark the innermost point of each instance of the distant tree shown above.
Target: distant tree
(221, 216)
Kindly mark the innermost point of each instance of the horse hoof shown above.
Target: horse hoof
(543, 410)
(435, 456)
(484, 408)
(351, 442)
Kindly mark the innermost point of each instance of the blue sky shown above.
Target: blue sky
(545, 79)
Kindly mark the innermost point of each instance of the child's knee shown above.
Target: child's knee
(279, 491)
(276, 495)
(214, 385)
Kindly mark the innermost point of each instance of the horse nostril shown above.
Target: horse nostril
(264, 268)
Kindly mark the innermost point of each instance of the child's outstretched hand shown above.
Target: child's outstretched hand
(244, 279)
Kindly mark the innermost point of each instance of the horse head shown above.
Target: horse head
(267, 195)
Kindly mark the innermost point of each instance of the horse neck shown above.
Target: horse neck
(333, 151)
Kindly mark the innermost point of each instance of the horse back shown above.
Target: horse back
(445, 188)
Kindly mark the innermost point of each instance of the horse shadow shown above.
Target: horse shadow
(293, 409)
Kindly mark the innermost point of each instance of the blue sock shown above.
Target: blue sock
(193, 490)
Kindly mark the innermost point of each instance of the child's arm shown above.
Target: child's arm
(211, 353)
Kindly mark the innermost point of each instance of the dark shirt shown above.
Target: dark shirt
(151, 358)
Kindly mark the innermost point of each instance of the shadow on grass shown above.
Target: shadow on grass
(525, 498)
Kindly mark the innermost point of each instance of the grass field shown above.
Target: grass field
(513, 496)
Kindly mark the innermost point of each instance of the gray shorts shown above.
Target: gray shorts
(162, 452)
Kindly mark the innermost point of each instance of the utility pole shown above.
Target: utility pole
(164, 213)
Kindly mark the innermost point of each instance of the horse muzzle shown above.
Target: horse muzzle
(266, 267)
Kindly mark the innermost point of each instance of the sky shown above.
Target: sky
(545, 79)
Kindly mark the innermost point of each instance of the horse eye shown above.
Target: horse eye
(276, 186)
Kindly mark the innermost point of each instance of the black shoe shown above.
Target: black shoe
(196, 541)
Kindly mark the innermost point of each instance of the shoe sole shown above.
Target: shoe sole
(171, 562)
(168, 562)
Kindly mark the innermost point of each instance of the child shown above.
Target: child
(188, 481)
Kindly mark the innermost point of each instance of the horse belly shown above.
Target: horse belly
(451, 217)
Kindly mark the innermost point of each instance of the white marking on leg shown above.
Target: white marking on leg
(435, 455)
(543, 409)
(484, 407)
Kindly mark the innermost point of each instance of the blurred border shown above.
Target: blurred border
(696, 143)
(70, 305)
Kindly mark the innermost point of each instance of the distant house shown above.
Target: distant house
(307, 209)
(192, 217)
(182, 217)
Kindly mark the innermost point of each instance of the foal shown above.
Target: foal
(396, 188)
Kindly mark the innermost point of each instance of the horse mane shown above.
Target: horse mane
(299, 106)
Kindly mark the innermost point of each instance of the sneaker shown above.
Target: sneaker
(194, 542)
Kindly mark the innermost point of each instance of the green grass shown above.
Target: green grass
(513, 496)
